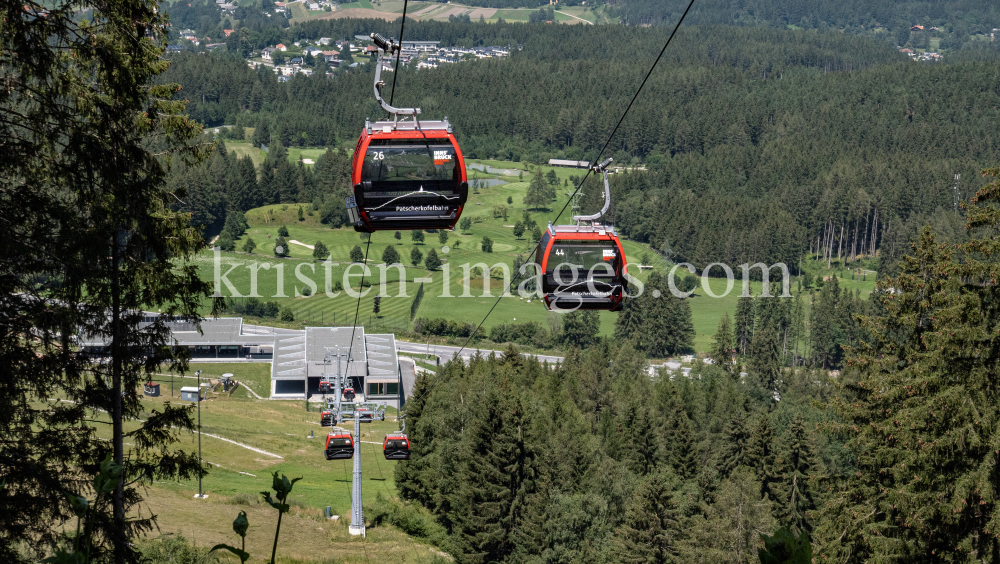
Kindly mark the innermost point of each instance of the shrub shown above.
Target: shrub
(287, 315)
(249, 245)
(486, 244)
(417, 236)
(432, 262)
(280, 247)
(443, 327)
(465, 224)
(283, 231)
(225, 242)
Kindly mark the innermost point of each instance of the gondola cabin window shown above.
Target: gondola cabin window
(392, 160)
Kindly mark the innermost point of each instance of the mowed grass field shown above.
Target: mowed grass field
(443, 289)
(238, 474)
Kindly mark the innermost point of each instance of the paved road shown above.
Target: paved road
(448, 353)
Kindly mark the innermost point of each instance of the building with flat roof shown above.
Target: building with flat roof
(297, 357)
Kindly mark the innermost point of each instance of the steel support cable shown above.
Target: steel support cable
(584, 179)
(350, 344)
(395, 73)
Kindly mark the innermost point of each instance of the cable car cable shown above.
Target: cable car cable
(580, 185)
(350, 344)
(584, 179)
(395, 72)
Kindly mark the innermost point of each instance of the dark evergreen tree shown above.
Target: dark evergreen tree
(432, 262)
(357, 255)
(794, 491)
(417, 236)
(724, 345)
(580, 327)
(762, 457)
(734, 450)
(416, 257)
(390, 255)
(765, 365)
(744, 322)
(651, 531)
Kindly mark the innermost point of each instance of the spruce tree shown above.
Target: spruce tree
(765, 365)
(652, 528)
(280, 247)
(537, 194)
(722, 348)
(681, 445)
(762, 456)
(744, 323)
(734, 450)
(922, 428)
(794, 490)
(416, 257)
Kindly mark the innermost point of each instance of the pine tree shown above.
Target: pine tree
(432, 262)
(320, 252)
(722, 348)
(357, 255)
(652, 530)
(398, 236)
(826, 332)
(416, 257)
(794, 491)
(283, 231)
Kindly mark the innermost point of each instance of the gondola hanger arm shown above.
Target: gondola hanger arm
(388, 48)
(603, 169)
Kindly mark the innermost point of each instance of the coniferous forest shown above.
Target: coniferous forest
(867, 428)
(762, 145)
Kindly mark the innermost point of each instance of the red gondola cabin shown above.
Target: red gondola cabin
(339, 446)
(407, 175)
(396, 447)
(583, 267)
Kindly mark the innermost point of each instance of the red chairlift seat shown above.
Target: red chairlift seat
(396, 447)
(406, 174)
(583, 266)
(339, 446)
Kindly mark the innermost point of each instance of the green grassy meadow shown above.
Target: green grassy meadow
(237, 475)
(443, 289)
